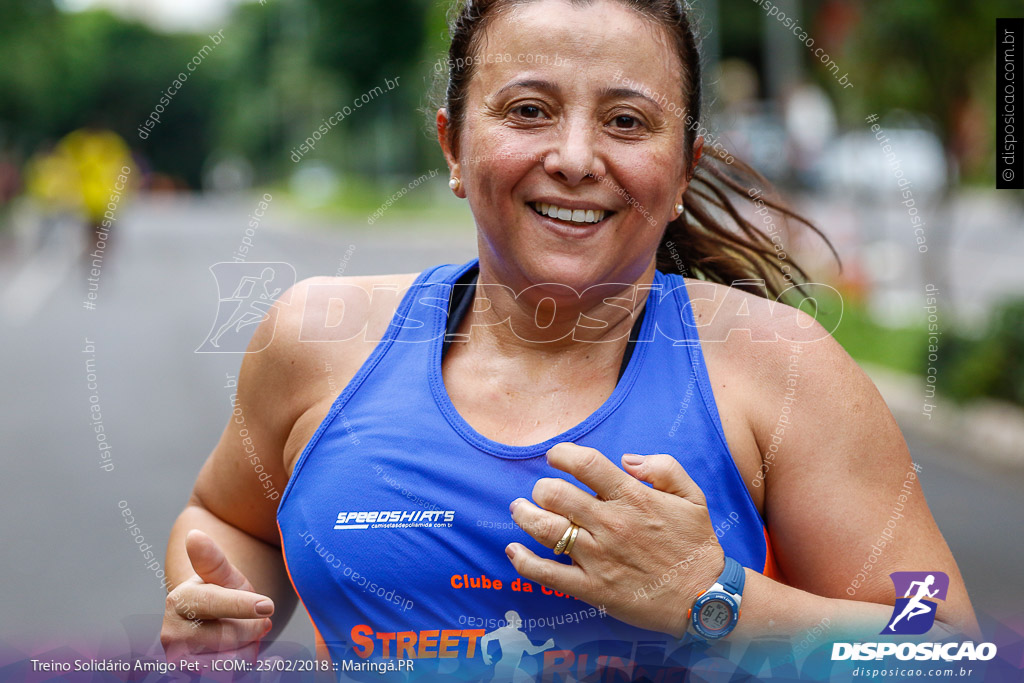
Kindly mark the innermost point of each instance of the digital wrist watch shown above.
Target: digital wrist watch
(716, 611)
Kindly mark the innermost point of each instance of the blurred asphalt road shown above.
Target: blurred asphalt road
(71, 574)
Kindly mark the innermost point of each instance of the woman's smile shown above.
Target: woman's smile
(570, 219)
(567, 215)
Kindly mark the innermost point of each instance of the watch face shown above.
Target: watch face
(715, 615)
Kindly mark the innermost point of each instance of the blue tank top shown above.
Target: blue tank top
(395, 520)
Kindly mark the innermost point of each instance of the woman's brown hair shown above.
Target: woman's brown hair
(711, 238)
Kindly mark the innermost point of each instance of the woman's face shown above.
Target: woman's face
(580, 109)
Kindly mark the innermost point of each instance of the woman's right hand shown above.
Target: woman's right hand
(215, 614)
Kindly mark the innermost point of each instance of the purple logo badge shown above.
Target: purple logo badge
(916, 596)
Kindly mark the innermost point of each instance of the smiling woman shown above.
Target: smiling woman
(628, 418)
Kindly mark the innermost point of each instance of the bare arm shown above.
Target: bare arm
(236, 562)
(220, 576)
(843, 503)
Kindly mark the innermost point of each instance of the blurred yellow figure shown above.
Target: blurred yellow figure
(88, 173)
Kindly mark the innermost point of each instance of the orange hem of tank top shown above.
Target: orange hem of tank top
(320, 644)
(771, 566)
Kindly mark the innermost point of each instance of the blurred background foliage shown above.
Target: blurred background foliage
(286, 65)
(989, 364)
(281, 69)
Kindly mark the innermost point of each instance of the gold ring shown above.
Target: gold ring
(572, 540)
(568, 538)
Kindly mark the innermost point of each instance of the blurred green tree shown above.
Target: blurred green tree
(296, 63)
(991, 365)
(935, 57)
(68, 70)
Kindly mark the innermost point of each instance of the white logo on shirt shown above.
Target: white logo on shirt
(394, 519)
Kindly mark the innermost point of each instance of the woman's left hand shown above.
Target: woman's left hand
(644, 554)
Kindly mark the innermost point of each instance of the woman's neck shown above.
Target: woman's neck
(554, 319)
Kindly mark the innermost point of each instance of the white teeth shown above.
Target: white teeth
(574, 215)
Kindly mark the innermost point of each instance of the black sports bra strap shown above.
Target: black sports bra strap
(463, 292)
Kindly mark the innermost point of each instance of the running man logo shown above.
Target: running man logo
(914, 613)
(251, 291)
(514, 643)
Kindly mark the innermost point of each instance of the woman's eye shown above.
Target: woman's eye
(626, 122)
(528, 111)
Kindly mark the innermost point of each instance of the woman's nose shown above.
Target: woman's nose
(573, 157)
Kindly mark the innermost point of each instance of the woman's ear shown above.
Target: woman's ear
(698, 151)
(443, 139)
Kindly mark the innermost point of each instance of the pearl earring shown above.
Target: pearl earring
(679, 207)
(454, 184)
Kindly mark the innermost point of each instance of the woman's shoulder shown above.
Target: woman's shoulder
(757, 337)
(319, 327)
(765, 346)
(343, 304)
(728, 313)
